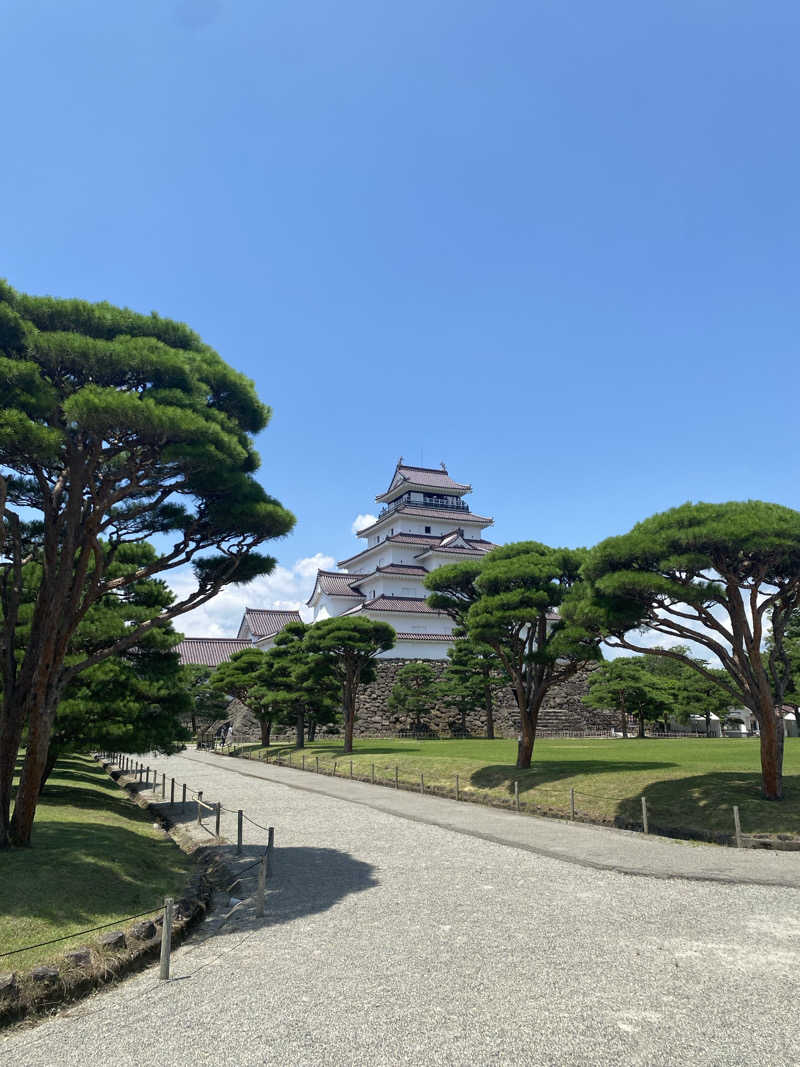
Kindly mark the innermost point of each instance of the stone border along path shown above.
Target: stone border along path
(388, 940)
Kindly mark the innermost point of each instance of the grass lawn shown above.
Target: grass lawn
(95, 857)
(690, 784)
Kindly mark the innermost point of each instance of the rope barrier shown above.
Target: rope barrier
(80, 933)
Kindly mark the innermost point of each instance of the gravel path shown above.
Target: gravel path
(393, 941)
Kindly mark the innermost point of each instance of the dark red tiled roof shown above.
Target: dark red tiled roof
(426, 477)
(428, 513)
(400, 569)
(457, 550)
(435, 477)
(334, 583)
(399, 603)
(428, 540)
(423, 637)
(209, 651)
(266, 622)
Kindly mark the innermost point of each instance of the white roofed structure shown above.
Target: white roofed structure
(424, 524)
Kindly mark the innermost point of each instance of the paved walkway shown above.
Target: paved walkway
(392, 938)
(591, 846)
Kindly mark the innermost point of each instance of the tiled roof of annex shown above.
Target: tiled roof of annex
(414, 605)
(334, 583)
(209, 651)
(265, 622)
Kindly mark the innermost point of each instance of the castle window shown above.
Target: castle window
(427, 529)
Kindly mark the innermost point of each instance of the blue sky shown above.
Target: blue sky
(553, 244)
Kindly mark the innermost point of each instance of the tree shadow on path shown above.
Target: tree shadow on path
(302, 881)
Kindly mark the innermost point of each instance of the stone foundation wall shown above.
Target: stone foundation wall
(563, 709)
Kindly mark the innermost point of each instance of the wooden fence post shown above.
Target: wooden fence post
(572, 804)
(334, 768)
(421, 782)
(373, 774)
(317, 759)
(239, 828)
(262, 885)
(396, 781)
(737, 826)
(644, 816)
(172, 791)
(200, 807)
(216, 818)
(183, 799)
(166, 938)
(516, 793)
(458, 789)
(163, 785)
(351, 768)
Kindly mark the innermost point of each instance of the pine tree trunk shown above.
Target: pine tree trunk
(40, 725)
(10, 737)
(489, 704)
(771, 729)
(529, 718)
(52, 758)
(624, 712)
(300, 730)
(641, 724)
(349, 709)
(266, 731)
(312, 731)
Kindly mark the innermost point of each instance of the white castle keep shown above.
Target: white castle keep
(424, 524)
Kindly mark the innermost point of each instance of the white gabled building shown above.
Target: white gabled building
(424, 524)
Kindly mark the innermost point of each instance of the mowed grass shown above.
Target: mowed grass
(690, 784)
(95, 858)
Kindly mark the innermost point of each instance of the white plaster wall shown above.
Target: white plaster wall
(329, 606)
(417, 650)
(406, 621)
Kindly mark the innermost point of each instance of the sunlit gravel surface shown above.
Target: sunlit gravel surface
(388, 941)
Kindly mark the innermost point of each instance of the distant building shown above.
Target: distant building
(424, 524)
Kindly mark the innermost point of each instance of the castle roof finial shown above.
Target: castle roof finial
(443, 466)
(400, 462)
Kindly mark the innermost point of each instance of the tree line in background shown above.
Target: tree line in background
(118, 429)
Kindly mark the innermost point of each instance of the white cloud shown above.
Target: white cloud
(286, 589)
(360, 522)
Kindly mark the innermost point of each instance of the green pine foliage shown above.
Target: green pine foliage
(712, 574)
(514, 597)
(414, 693)
(301, 687)
(350, 645)
(114, 427)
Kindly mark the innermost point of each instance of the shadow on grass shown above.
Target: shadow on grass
(330, 752)
(75, 871)
(498, 775)
(705, 801)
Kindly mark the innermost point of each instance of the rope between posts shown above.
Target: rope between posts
(80, 933)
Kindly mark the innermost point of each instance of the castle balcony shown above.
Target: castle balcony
(403, 502)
